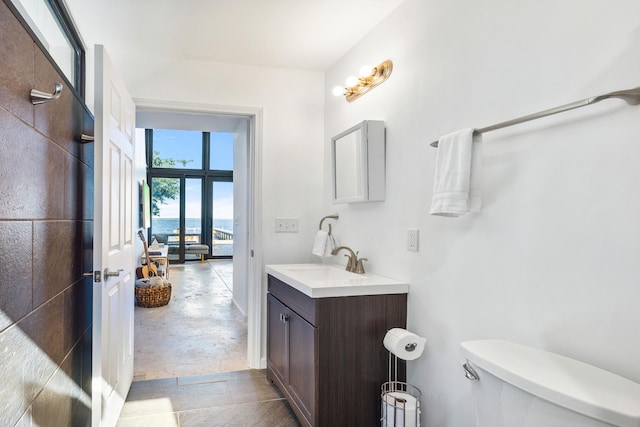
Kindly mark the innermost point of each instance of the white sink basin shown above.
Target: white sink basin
(320, 280)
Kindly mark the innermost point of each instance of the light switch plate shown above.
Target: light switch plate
(413, 239)
(286, 225)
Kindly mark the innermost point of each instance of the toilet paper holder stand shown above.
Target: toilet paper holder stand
(400, 401)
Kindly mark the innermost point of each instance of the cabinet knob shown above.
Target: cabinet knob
(284, 317)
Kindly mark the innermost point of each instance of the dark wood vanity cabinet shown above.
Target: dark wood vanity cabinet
(326, 354)
(291, 345)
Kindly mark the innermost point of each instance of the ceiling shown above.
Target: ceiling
(299, 34)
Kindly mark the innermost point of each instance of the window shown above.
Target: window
(191, 176)
(49, 21)
(221, 156)
(177, 149)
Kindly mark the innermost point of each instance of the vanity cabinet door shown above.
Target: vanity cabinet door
(291, 355)
(302, 364)
(277, 339)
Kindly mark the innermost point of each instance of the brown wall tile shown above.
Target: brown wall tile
(77, 312)
(86, 251)
(15, 273)
(16, 73)
(88, 129)
(61, 403)
(31, 173)
(87, 193)
(45, 328)
(60, 120)
(25, 421)
(56, 262)
(16, 392)
(73, 179)
(46, 239)
(86, 346)
(78, 189)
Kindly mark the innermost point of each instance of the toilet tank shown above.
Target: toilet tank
(527, 387)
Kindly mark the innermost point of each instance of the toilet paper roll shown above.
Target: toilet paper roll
(400, 409)
(404, 344)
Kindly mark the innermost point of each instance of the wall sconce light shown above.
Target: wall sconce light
(370, 77)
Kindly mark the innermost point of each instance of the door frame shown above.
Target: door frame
(255, 311)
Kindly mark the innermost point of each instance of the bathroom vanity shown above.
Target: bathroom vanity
(325, 328)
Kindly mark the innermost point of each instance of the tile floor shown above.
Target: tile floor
(190, 360)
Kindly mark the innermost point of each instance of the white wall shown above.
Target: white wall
(551, 261)
(292, 103)
(291, 131)
(241, 184)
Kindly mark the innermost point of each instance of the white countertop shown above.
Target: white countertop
(322, 281)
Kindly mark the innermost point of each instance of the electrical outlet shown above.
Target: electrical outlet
(286, 225)
(413, 238)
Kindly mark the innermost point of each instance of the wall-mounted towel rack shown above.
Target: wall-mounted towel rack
(630, 96)
(334, 216)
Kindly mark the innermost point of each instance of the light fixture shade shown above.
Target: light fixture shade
(366, 71)
(351, 81)
(338, 91)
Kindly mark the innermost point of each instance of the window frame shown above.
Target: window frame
(62, 16)
(208, 176)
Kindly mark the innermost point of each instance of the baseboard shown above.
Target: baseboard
(244, 315)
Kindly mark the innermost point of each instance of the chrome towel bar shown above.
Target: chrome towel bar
(630, 96)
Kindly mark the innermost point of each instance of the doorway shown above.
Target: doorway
(247, 262)
(192, 198)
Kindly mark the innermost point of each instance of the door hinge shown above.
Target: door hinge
(251, 253)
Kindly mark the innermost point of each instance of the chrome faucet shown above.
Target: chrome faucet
(354, 264)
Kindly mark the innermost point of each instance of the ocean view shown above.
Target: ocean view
(193, 225)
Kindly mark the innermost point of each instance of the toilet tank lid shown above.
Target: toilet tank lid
(566, 382)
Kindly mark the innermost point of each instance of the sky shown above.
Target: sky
(187, 145)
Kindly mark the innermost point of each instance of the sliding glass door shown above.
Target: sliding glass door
(193, 219)
(220, 201)
(165, 213)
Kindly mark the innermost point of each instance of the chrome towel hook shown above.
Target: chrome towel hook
(39, 97)
(84, 138)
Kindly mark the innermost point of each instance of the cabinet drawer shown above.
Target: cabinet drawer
(297, 301)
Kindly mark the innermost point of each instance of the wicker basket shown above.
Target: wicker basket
(153, 297)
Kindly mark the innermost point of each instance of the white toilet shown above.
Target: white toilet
(518, 386)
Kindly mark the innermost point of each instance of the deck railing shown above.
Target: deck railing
(222, 234)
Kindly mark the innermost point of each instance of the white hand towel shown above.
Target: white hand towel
(323, 244)
(320, 243)
(456, 185)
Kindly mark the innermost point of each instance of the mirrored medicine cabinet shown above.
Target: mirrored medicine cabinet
(358, 163)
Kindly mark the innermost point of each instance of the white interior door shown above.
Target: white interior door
(114, 247)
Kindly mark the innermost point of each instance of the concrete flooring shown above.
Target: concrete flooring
(200, 331)
(190, 365)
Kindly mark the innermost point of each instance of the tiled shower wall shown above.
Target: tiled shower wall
(46, 237)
